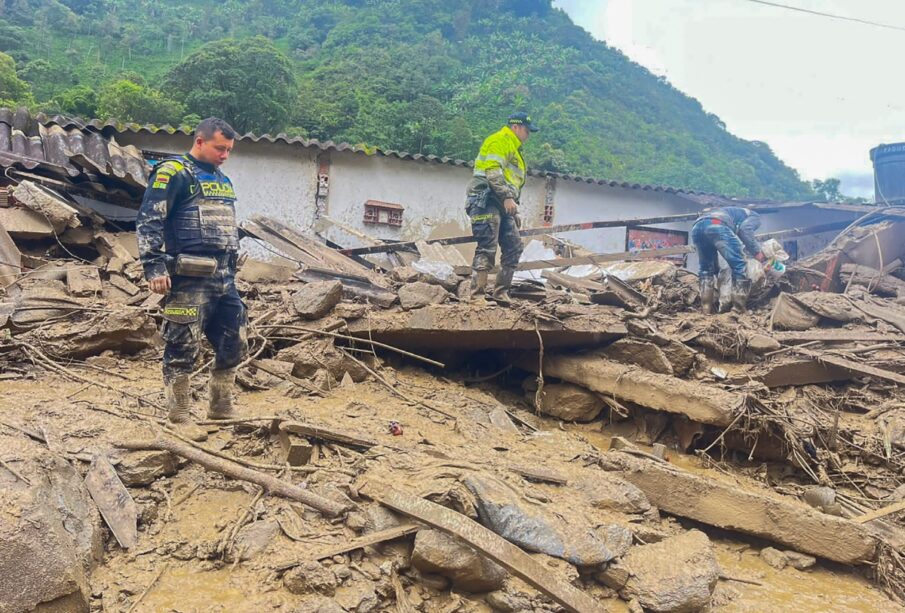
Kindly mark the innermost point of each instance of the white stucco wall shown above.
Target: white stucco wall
(280, 180)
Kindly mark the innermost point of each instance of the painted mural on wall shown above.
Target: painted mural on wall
(641, 238)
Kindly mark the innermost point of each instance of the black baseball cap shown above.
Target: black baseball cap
(523, 119)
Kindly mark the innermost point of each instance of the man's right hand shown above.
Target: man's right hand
(511, 206)
(160, 285)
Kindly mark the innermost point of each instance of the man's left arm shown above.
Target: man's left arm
(746, 234)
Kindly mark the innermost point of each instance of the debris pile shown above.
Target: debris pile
(599, 445)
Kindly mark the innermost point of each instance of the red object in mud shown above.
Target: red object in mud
(395, 428)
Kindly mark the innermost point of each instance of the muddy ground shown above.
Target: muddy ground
(184, 516)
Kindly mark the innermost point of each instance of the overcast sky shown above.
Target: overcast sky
(820, 92)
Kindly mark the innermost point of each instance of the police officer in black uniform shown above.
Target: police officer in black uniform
(189, 242)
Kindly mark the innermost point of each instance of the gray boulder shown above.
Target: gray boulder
(569, 402)
(435, 552)
(138, 468)
(676, 575)
(317, 299)
(420, 294)
(310, 578)
(608, 491)
(50, 539)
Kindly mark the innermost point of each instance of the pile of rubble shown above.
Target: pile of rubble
(599, 445)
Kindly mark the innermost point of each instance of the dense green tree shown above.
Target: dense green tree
(425, 76)
(128, 101)
(13, 90)
(80, 101)
(247, 82)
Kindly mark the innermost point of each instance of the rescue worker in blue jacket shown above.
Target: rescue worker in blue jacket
(188, 241)
(727, 231)
(492, 205)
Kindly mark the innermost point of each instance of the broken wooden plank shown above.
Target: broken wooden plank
(306, 250)
(887, 510)
(297, 450)
(748, 510)
(703, 403)
(121, 283)
(488, 543)
(10, 259)
(325, 433)
(368, 540)
(853, 366)
(572, 227)
(237, 471)
(835, 336)
(544, 475)
(800, 372)
(597, 258)
(576, 284)
(113, 501)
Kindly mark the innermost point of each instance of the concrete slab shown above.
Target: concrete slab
(471, 327)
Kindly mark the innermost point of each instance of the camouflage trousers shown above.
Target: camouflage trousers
(491, 228)
(208, 306)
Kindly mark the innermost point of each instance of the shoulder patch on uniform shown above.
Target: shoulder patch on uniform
(169, 168)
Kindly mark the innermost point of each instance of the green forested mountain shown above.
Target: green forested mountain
(428, 76)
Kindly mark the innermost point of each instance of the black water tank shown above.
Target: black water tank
(889, 173)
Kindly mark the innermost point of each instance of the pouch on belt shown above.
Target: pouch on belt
(195, 265)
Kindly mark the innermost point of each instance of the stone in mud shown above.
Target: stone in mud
(139, 468)
(502, 511)
(320, 605)
(508, 603)
(317, 299)
(570, 402)
(311, 356)
(611, 492)
(359, 597)
(435, 552)
(799, 561)
(254, 538)
(761, 344)
(676, 575)
(405, 274)
(50, 539)
(310, 577)
(420, 294)
(616, 538)
(378, 517)
(773, 557)
(641, 353)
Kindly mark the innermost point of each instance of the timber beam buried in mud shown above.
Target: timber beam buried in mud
(702, 403)
(758, 513)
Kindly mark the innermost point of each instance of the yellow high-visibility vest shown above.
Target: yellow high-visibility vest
(502, 150)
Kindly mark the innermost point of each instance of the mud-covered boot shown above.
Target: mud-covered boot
(478, 286)
(221, 393)
(179, 404)
(501, 289)
(708, 295)
(740, 290)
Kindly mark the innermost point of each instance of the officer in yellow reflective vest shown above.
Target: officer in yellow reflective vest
(492, 205)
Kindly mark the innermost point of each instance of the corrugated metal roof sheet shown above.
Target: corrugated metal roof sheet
(70, 149)
(116, 126)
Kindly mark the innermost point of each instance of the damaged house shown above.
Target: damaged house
(601, 445)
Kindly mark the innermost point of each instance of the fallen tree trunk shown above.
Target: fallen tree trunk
(701, 403)
(759, 513)
(270, 484)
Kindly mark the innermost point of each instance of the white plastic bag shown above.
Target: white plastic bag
(754, 270)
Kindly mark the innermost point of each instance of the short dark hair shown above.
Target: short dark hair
(207, 128)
